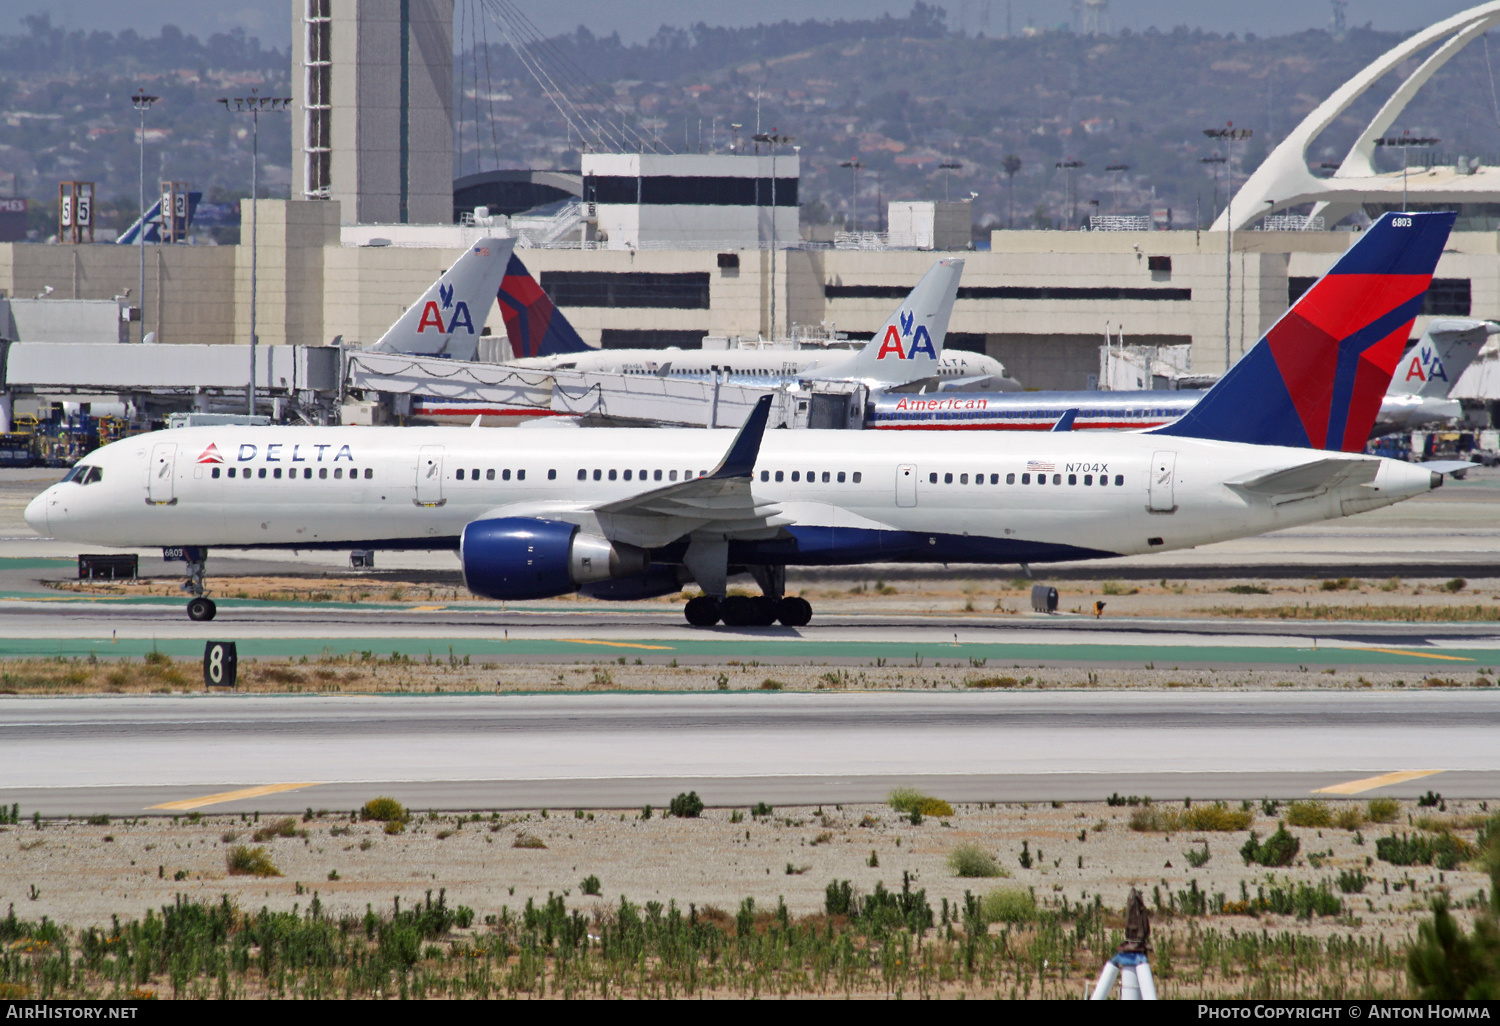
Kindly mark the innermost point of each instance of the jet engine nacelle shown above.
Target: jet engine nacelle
(526, 558)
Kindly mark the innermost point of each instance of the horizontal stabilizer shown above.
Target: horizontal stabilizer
(1446, 466)
(1317, 476)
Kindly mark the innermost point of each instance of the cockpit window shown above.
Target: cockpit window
(84, 474)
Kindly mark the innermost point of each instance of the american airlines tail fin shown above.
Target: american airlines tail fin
(1445, 351)
(908, 346)
(1317, 377)
(534, 325)
(448, 318)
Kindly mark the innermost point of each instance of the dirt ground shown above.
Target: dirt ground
(372, 673)
(81, 873)
(1331, 598)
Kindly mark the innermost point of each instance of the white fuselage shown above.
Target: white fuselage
(305, 487)
(755, 366)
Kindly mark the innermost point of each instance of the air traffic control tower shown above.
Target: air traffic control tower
(372, 90)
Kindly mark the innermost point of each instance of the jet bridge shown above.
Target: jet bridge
(160, 379)
(601, 398)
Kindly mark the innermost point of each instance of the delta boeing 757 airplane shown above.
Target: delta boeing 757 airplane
(630, 513)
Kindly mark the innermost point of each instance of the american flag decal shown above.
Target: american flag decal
(482, 250)
(1040, 465)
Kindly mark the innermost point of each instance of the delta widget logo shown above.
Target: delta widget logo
(210, 455)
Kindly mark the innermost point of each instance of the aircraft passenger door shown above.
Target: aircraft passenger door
(161, 485)
(1163, 465)
(906, 485)
(430, 476)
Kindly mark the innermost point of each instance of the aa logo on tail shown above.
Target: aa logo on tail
(921, 341)
(432, 317)
(1426, 366)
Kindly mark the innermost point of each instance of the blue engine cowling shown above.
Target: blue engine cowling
(658, 580)
(525, 558)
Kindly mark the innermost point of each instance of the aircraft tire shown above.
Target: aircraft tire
(794, 612)
(765, 611)
(202, 609)
(702, 611)
(739, 611)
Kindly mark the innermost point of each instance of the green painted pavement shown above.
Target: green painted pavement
(997, 656)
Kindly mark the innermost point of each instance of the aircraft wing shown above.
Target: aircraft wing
(720, 500)
(1308, 479)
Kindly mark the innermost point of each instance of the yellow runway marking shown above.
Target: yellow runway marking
(426, 609)
(1422, 655)
(1371, 783)
(615, 644)
(229, 796)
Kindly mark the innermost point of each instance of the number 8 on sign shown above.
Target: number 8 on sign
(219, 664)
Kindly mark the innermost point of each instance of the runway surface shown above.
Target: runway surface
(58, 626)
(123, 755)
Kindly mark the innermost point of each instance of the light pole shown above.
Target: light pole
(773, 139)
(1229, 134)
(1214, 161)
(854, 165)
(253, 105)
(947, 167)
(1010, 165)
(1117, 170)
(1405, 141)
(1068, 167)
(142, 103)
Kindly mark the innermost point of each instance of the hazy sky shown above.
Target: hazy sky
(637, 19)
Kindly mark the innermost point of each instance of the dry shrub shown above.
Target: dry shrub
(243, 861)
(524, 840)
(970, 860)
(909, 800)
(1217, 816)
(1383, 810)
(1010, 905)
(1156, 820)
(1350, 817)
(286, 827)
(383, 809)
(1312, 813)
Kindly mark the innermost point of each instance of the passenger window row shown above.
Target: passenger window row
(638, 475)
(291, 473)
(1041, 479)
(829, 477)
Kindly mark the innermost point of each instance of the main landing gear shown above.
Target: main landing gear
(744, 611)
(200, 607)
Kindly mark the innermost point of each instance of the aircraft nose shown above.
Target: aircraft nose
(36, 512)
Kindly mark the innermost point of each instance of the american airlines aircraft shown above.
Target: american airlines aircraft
(631, 513)
(542, 339)
(1417, 397)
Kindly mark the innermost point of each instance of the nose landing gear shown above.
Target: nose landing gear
(200, 607)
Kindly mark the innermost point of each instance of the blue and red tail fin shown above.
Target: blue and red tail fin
(1317, 377)
(535, 327)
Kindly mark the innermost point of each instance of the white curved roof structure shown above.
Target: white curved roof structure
(1284, 180)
